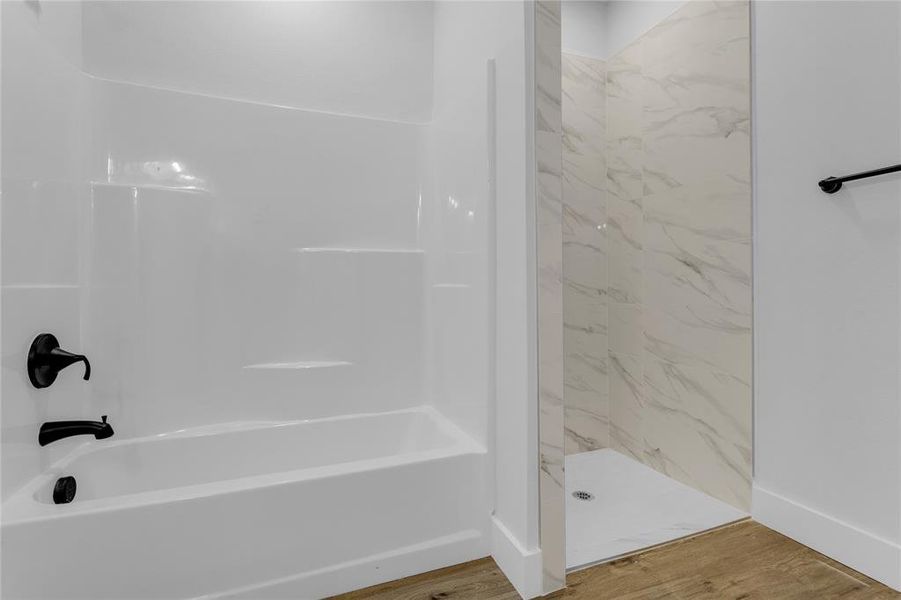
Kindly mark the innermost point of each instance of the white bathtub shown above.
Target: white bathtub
(251, 510)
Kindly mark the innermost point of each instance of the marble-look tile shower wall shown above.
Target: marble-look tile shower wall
(678, 202)
(549, 238)
(586, 418)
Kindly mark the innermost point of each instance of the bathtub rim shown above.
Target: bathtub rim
(23, 506)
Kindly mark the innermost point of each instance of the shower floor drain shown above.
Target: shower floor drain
(583, 495)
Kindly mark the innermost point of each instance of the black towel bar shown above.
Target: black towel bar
(830, 185)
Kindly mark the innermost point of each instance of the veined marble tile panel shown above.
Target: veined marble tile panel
(584, 121)
(697, 309)
(586, 307)
(624, 246)
(626, 404)
(585, 376)
(586, 206)
(586, 420)
(549, 225)
(624, 161)
(718, 208)
(679, 229)
(694, 147)
(702, 30)
(584, 254)
(696, 95)
(624, 87)
(585, 328)
(696, 427)
(626, 329)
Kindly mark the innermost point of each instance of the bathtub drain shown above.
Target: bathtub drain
(583, 495)
(64, 490)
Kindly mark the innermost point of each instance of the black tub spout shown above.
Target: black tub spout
(57, 430)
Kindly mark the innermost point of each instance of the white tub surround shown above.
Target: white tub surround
(43, 194)
(259, 269)
(252, 510)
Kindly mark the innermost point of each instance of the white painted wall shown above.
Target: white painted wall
(583, 25)
(369, 58)
(628, 19)
(601, 28)
(827, 80)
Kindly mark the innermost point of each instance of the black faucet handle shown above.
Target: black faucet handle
(46, 359)
(60, 359)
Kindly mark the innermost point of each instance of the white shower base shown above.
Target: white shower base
(634, 507)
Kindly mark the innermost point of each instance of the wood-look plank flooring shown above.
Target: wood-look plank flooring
(745, 561)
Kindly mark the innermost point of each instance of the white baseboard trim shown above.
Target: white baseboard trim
(871, 555)
(522, 567)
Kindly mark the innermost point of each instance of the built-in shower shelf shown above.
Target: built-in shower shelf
(146, 186)
(303, 364)
(350, 250)
(42, 286)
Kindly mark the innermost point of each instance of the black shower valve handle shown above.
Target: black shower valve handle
(46, 359)
(61, 359)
